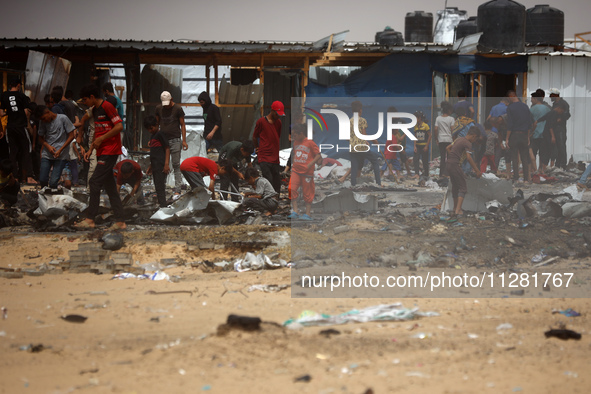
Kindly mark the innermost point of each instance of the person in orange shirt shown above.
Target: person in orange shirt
(305, 155)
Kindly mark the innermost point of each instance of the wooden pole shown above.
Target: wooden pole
(262, 79)
(217, 92)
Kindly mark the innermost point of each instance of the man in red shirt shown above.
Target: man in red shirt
(107, 142)
(129, 172)
(194, 168)
(267, 132)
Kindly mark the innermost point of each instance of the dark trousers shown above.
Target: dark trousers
(229, 179)
(519, 147)
(103, 178)
(194, 179)
(257, 204)
(217, 144)
(19, 147)
(459, 187)
(159, 182)
(272, 172)
(357, 160)
(424, 157)
(560, 149)
(443, 159)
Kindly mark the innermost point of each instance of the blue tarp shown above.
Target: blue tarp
(410, 74)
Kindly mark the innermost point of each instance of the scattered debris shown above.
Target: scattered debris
(303, 379)
(74, 318)
(268, 288)
(563, 334)
(567, 312)
(328, 332)
(112, 241)
(236, 322)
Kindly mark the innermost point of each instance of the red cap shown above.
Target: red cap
(277, 106)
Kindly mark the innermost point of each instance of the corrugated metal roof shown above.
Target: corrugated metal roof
(219, 46)
(179, 45)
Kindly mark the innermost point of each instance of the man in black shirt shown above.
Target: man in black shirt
(560, 128)
(15, 104)
(212, 131)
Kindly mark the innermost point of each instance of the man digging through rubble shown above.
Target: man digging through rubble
(456, 153)
(107, 142)
(194, 168)
(263, 199)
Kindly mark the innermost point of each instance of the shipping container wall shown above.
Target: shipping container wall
(571, 75)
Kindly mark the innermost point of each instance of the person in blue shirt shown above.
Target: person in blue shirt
(538, 144)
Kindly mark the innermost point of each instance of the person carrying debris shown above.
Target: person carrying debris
(212, 128)
(129, 172)
(263, 199)
(159, 158)
(267, 132)
(194, 168)
(457, 152)
(306, 155)
(107, 143)
(171, 118)
(237, 153)
(9, 186)
(56, 133)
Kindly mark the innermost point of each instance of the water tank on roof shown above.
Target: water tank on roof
(418, 26)
(544, 25)
(466, 28)
(502, 23)
(389, 37)
(447, 20)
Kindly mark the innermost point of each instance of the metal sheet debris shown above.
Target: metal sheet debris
(480, 191)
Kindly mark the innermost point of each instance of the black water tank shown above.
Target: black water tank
(544, 25)
(467, 27)
(502, 23)
(418, 26)
(389, 37)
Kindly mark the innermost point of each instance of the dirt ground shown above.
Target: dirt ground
(136, 341)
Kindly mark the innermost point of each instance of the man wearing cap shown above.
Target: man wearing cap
(15, 104)
(267, 132)
(171, 118)
(560, 130)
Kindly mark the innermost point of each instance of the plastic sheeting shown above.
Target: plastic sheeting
(387, 312)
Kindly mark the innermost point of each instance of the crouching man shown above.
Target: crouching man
(263, 199)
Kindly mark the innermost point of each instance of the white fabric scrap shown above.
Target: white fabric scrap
(384, 312)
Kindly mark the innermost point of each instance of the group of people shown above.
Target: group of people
(57, 130)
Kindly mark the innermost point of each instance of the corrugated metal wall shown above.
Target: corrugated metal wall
(572, 76)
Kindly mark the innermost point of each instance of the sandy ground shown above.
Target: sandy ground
(137, 342)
